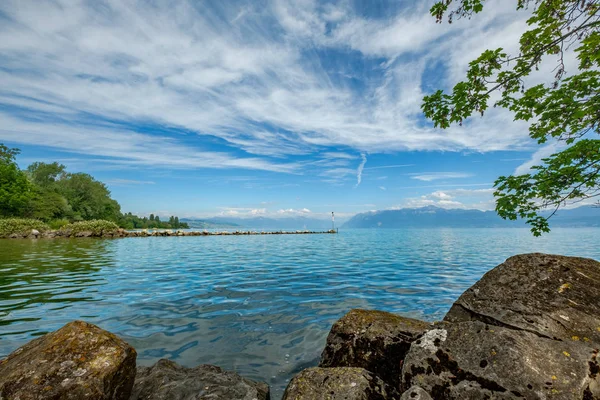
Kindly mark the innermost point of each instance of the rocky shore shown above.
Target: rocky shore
(529, 329)
(122, 233)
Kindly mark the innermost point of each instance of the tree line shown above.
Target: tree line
(46, 191)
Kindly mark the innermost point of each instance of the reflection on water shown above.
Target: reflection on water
(260, 305)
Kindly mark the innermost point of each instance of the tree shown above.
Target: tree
(16, 191)
(565, 110)
(46, 175)
(48, 203)
(89, 199)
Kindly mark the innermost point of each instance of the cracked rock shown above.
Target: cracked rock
(556, 297)
(79, 361)
(374, 340)
(337, 384)
(473, 360)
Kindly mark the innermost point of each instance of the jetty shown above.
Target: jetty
(123, 233)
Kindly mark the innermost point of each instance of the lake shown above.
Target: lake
(258, 305)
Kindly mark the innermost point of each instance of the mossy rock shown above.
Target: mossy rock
(337, 384)
(374, 340)
(79, 361)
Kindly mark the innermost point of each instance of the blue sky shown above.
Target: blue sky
(245, 108)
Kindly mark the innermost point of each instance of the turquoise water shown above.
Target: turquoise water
(259, 305)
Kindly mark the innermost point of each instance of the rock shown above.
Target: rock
(167, 380)
(336, 384)
(78, 361)
(84, 234)
(473, 360)
(415, 393)
(551, 296)
(374, 340)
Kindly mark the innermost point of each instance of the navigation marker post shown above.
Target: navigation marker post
(332, 222)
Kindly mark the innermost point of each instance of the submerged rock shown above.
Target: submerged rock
(337, 384)
(551, 296)
(374, 340)
(78, 361)
(472, 360)
(167, 380)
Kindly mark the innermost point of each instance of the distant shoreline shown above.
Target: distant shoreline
(122, 233)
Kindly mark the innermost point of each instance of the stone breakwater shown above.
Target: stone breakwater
(122, 233)
(529, 329)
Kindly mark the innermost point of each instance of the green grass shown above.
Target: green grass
(58, 223)
(97, 227)
(20, 226)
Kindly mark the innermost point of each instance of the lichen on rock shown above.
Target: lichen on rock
(374, 340)
(78, 361)
(337, 384)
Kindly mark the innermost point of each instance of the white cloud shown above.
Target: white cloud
(536, 158)
(359, 171)
(231, 70)
(434, 176)
(382, 188)
(479, 199)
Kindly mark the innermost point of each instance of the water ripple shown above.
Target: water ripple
(259, 305)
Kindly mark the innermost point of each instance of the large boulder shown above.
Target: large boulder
(167, 380)
(79, 361)
(551, 296)
(337, 384)
(374, 340)
(473, 360)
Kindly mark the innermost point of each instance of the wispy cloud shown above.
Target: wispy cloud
(128, 182)
(391, 166)
(237, 84)
(434, 176)
(359, 171)
(536, 158)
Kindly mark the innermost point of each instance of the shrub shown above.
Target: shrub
(20, 226)
(97, 227)
(58, 223)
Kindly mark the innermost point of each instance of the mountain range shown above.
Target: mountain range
(423, 217)
(431, 216)
(261, 223)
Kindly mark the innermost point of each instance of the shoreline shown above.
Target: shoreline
(122, 233)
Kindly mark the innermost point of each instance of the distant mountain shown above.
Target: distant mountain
(262, 223)
(430, 217)
(204, 224)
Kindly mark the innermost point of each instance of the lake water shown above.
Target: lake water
(259, 305)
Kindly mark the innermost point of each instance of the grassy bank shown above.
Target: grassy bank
(24, 227)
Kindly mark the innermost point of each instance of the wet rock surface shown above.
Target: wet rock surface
(473, 360)
(374, 340)
(337, 384)
(79, 361)
(167, 380)
(551, 296)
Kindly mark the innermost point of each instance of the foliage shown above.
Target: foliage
(47, 192)
(566, 110)
(20, 226)
(89, 199)
(58, 223)
(130, 221)
(97, 227)
(16, 191)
